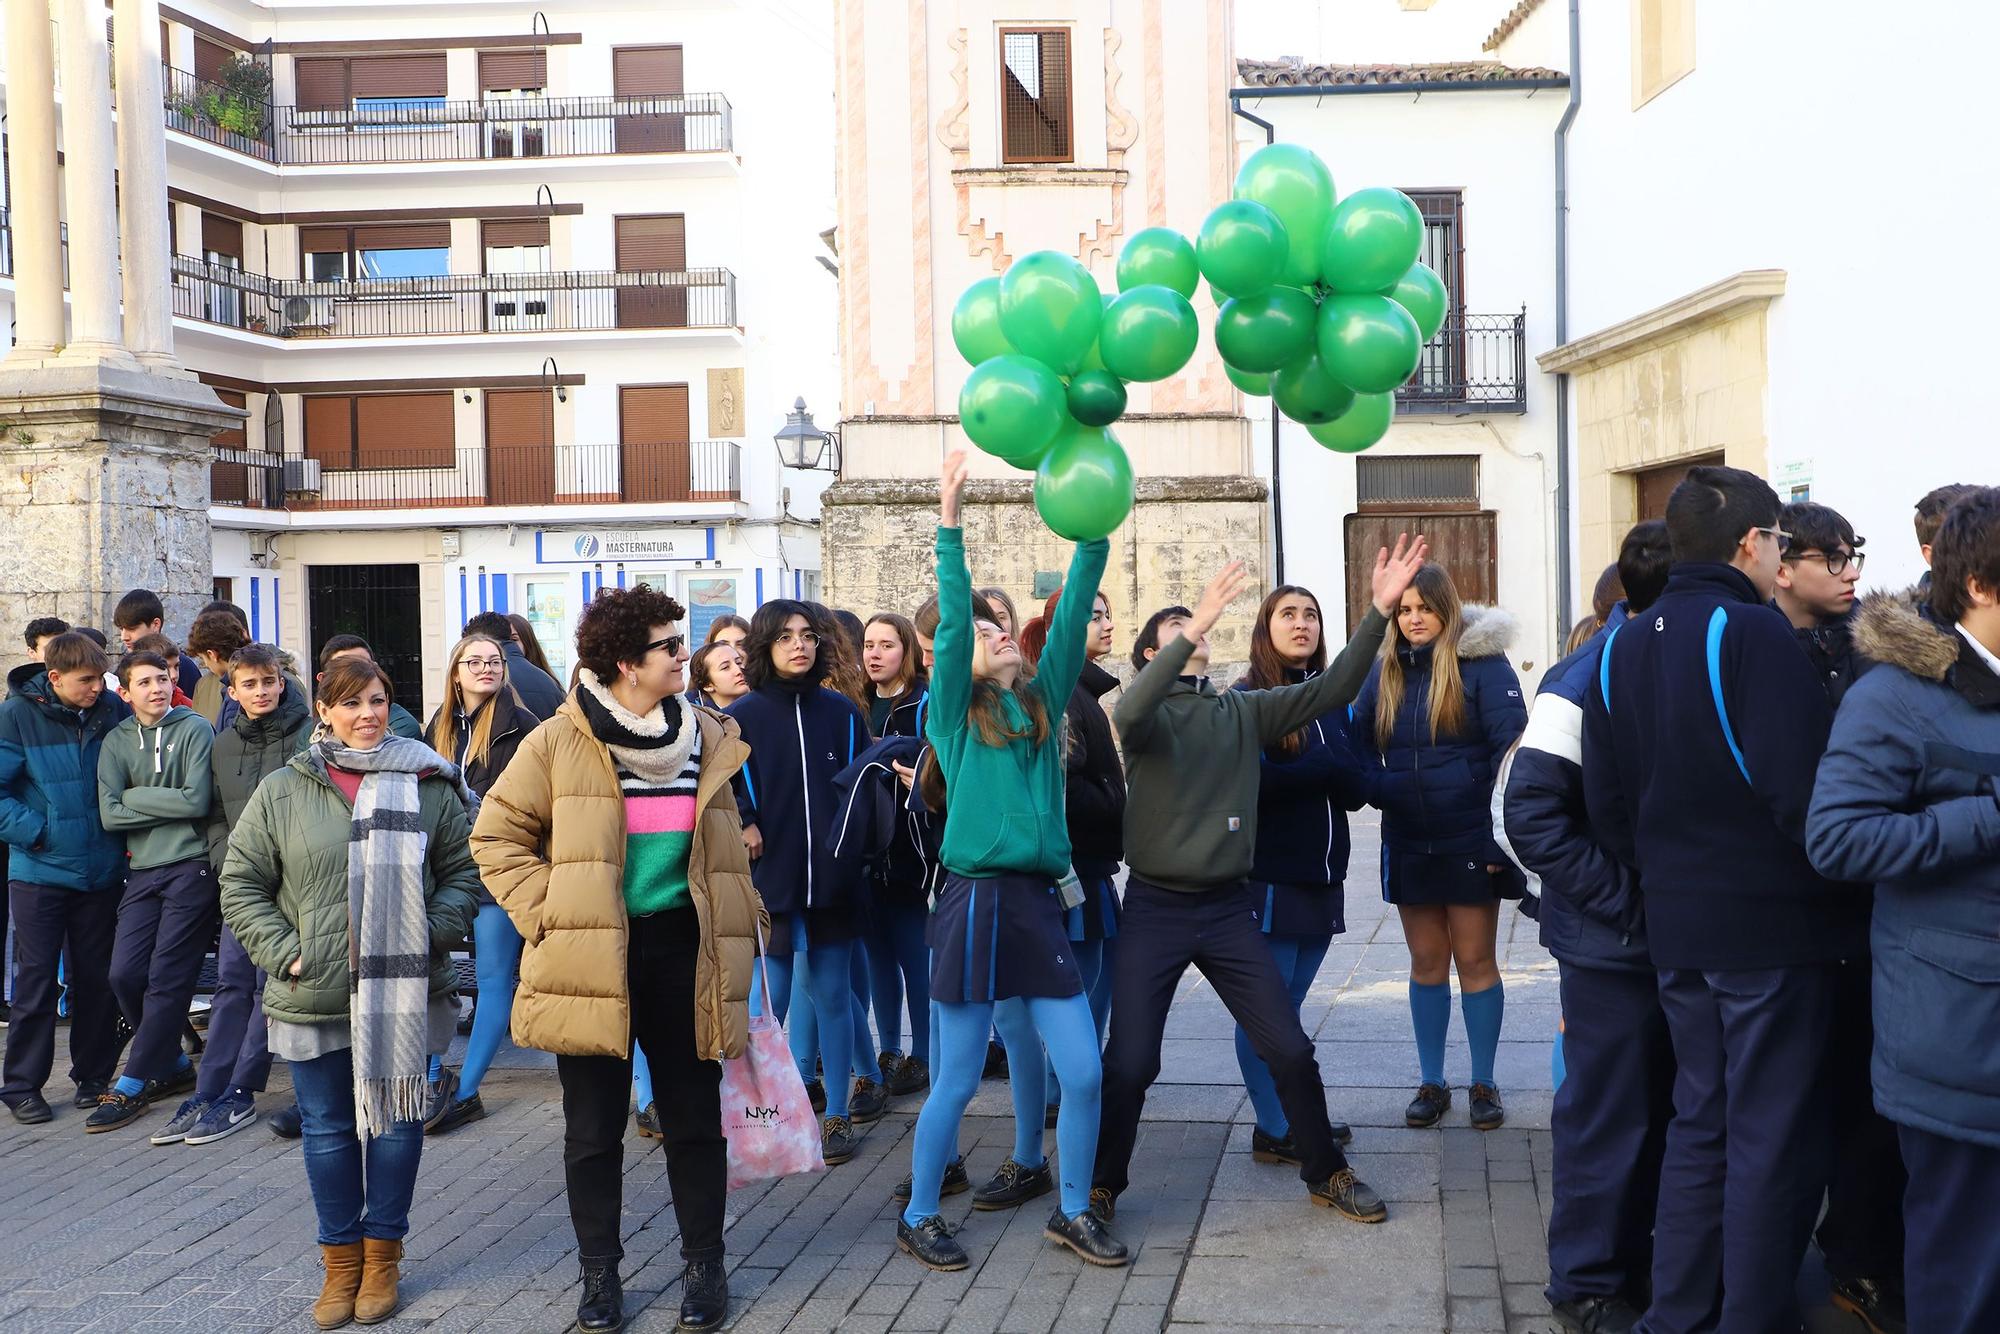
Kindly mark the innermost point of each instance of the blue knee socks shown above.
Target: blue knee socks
(1430, 1015)
(1483, 1011)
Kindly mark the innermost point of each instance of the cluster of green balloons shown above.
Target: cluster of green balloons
(1323, 304)
(1051, 356)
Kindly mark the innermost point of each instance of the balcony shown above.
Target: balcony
(485, 477)
(437, 131)
(1477, 363)
(469, 303)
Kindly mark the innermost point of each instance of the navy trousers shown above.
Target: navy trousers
(165, 922)
(1952, 1274)
(46, 921)
(239, 1049)
(1861, 1235)
(1746, 1158)
(1610, 1134)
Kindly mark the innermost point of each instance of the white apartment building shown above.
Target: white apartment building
(515, 299)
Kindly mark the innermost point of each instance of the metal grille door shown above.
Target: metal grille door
(382, 604)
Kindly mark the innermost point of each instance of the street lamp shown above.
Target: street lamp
(803, 445)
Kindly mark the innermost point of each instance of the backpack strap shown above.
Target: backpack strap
(1717, 624)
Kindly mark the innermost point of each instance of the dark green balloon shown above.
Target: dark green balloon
(1050, 309)
(1262, 333)
(1096, 398)
(1358, 427)
(1250, 382)
(1148, 333)
(1307, 392)
(1293, 183)
(1371, 241)
(1421, 292)
(1083, 488)
(1158, 255)
(975, 323)
(1368, 341)
(1012, 407)
(1241, 248)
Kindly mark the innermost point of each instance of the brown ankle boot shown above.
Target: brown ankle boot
(335, 1306)
(376, 1301)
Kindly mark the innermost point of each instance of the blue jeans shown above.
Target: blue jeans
(824, 970)
(1298, 959)
(357, 1191)
(498, 955)
(899, 964)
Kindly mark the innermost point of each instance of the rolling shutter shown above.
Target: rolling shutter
(330, 430)
(498, 232)
(323, 240)
(404, 431)
(501, 70)
(646, 71)
(639, 73)
(650, 244)
(404, 236)
(222, 236)
(413, 75)
(320, 83)
(520, 460)
(229, 483)
(653, 429)
(209, 58)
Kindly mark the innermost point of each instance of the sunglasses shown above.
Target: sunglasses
(672, 644)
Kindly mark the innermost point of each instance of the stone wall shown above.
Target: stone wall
(876, 550)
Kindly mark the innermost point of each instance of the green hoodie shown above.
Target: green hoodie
(155, 786)
(248, 752)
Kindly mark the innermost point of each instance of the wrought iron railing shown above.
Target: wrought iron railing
(419, 478)
(459, 303)
(220, 115)
(1477, 363)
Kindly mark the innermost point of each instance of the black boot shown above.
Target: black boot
(602, 1308)
(704, 1294)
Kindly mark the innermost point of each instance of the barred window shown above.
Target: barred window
(1035, 95)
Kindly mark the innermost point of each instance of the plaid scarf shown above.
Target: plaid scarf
(388, 926)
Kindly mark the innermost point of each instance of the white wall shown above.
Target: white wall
(1369, 32)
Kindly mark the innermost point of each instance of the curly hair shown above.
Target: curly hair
(618, 624)
(217, 632)
(766, 626)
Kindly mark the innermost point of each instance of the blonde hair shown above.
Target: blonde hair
(444, 728)
(1447, 694)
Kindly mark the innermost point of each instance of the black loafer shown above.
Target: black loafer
(89, 1093)
(180, 1081)
(1085, 1235)
(816, 1095)
(704, 1294)
(956, 1182)
(1595, 1315)
(867, 1102)
(1270, 1149)
(1484, 1101)
(1343, 1133)
(1348, 1196)
(462, 1111)
(910, 1076)
(31, 1109)
(930, 1244)
(1014, 1184)
(836, 1140)
(1428, 1107)
(647, 1119)
(441, 1096)
(286, 1123)
(602, 1309)
(116, 1110)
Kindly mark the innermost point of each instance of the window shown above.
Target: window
(1662, 47)
(1441, 372)
(1422, 481)
(391, 88)
(383, 250)
(405, 262)
(1035, 95)
(545, 603)
(354, 431)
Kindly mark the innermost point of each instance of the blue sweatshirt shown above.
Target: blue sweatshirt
(800, 735)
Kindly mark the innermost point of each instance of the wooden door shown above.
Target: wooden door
(520, 449)
(1464, 543)
(652, 244)
(653, 431)
(1657, 484)
(648, 80)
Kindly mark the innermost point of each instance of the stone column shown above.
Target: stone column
(89, 161)
(142, 172)
(31, 147)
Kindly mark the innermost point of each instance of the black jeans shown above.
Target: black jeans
(1861, 1235)
(1162, 932)
(597, 1093)
(45, 921)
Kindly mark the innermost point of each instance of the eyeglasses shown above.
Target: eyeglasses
(1778, 535)
(1836, 561)
(482, 664)
(672, 644)
(790, 637)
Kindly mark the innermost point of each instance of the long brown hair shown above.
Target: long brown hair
(985, 711)
(836, 650)
(444, 727)
(531, 646)
(1269, 667)
(912, 670)
(1447, 695)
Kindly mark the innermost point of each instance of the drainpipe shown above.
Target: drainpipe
(1277, 490)
(1565, 613)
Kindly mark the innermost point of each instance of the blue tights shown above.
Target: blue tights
(498, 955)
(899, 962)
(1298, 959)
(1028, 1076)
(1065, 1027)
(823, 969)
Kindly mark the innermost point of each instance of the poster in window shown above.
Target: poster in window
(707, 600)
(548, 612)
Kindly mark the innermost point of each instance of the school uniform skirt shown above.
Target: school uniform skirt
(1096, 918)
(1285, 909)
(1440, 879)
(999, 937)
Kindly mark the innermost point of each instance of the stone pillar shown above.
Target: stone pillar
(104, 487)
(31, 149)
(89, 161)
(142, 171)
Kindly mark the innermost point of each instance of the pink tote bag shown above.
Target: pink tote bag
(766, 1117)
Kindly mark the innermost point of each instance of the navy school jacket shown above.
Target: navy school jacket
(869, 821)
(1703, 731)
(800, 736)
(1302, 803)
(1094, 791)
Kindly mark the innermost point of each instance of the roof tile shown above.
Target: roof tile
(1291, 72)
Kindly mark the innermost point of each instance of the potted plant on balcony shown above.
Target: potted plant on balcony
(238, 102)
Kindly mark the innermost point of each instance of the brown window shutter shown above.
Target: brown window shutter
(646, 71)
(209, 58)
(403, 236)
(654, 456)
(413, 75)
(320, 83)
(513, 69)
(513, 232)
(517, 417)
(520, 453)
(233, 437)
(330, 430)
(404, 431)
(222, 236)
(1035, 101)
(646, 244)
(322, 240)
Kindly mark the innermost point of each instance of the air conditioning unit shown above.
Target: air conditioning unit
(302, 477)
(308, 314)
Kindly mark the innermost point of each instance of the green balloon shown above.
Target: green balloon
(975, 323)
(1368, 341)
(1358, 427)
(1158, 255)
(1096, 398)
(1307, 392)
(1011, 407)
(1050, 309)
(1241, 248)
(1093, 360)
(1262, 333)
(1293, 183)
(1148, 333)
(1372, 240)
(1421, 292)
(1083, 488)
(1250, 382)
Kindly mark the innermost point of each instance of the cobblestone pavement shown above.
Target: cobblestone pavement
(108, 1233)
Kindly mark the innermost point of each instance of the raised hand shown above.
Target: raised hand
(1215, 599)
(1394, 570)
(951, 481)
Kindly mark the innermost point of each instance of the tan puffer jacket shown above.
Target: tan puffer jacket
(550, 843)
